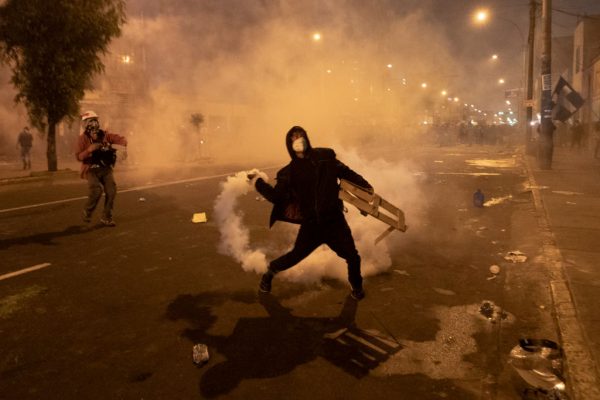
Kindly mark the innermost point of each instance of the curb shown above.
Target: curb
(38, 176)
(582, 382)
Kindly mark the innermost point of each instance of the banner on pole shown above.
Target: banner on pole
(566, 101)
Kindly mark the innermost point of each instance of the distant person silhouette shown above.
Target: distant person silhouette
(25, 142)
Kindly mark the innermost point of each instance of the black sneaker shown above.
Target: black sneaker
(357, 294)
(86, 217)
(265, 283)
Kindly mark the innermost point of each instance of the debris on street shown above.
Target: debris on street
(497, 200)
(539, 362)
(199, 217)
(200, 354)
(478, 198)
(515, 256)
(491, 311)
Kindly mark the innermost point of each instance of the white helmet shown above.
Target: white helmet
(88, 115)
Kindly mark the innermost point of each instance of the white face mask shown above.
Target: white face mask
(299, 145)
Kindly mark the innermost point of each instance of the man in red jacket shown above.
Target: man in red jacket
(97, 158)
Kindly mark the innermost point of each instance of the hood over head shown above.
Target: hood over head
(288, 140)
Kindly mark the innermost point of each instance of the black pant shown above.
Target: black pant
(335, 234)
(101, 180)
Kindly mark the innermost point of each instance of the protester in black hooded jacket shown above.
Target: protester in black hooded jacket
(306, 193)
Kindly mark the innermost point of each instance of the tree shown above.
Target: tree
(53, 49)
(196, 120)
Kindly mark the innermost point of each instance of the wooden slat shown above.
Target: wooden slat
(371, 203)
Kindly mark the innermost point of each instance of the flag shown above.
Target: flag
(566, 101)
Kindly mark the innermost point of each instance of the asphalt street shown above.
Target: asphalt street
(115, 312)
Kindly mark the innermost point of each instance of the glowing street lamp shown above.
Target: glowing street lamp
(316, 37)
(444, 93)
(389, 66)
(494, 57)
(481, 16)
(501, 81)
(424, 85)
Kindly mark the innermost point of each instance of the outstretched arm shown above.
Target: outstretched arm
(344, 172)
(276, 194)
(113, 138)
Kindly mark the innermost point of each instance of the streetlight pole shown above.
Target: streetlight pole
(480, 17)
(530, 50)
(546, 146)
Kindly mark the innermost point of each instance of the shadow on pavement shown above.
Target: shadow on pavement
(267, 347)
(48, 238)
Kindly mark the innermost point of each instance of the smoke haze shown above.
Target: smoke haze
(256, 72)
(253, 69)
(393, 181)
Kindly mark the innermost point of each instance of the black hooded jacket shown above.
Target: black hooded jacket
(307, 188)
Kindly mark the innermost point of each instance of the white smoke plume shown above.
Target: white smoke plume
(393, 181)
(235, 237)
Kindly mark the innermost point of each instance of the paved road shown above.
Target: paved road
(117, 311)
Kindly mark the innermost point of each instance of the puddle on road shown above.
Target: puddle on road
(527, 187)
(11, 304)
(499, 163)
(469, 173)
(445, 292)
(565, 192)
(444, 357)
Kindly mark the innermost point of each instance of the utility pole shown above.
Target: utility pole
(546, 147)
(530, 42)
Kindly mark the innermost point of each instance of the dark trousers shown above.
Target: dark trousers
(335, 234)
(101, 180)
(26, 157)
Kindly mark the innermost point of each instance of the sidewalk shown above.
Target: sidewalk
(567, 198)
(13, 171)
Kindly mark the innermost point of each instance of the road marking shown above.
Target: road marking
(42, 204)
(24, 271)
(133, 189)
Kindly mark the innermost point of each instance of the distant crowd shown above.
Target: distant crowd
(448, 134)
(573, 135)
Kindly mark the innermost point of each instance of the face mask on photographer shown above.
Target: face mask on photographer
(92, 126)
(299, 145)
